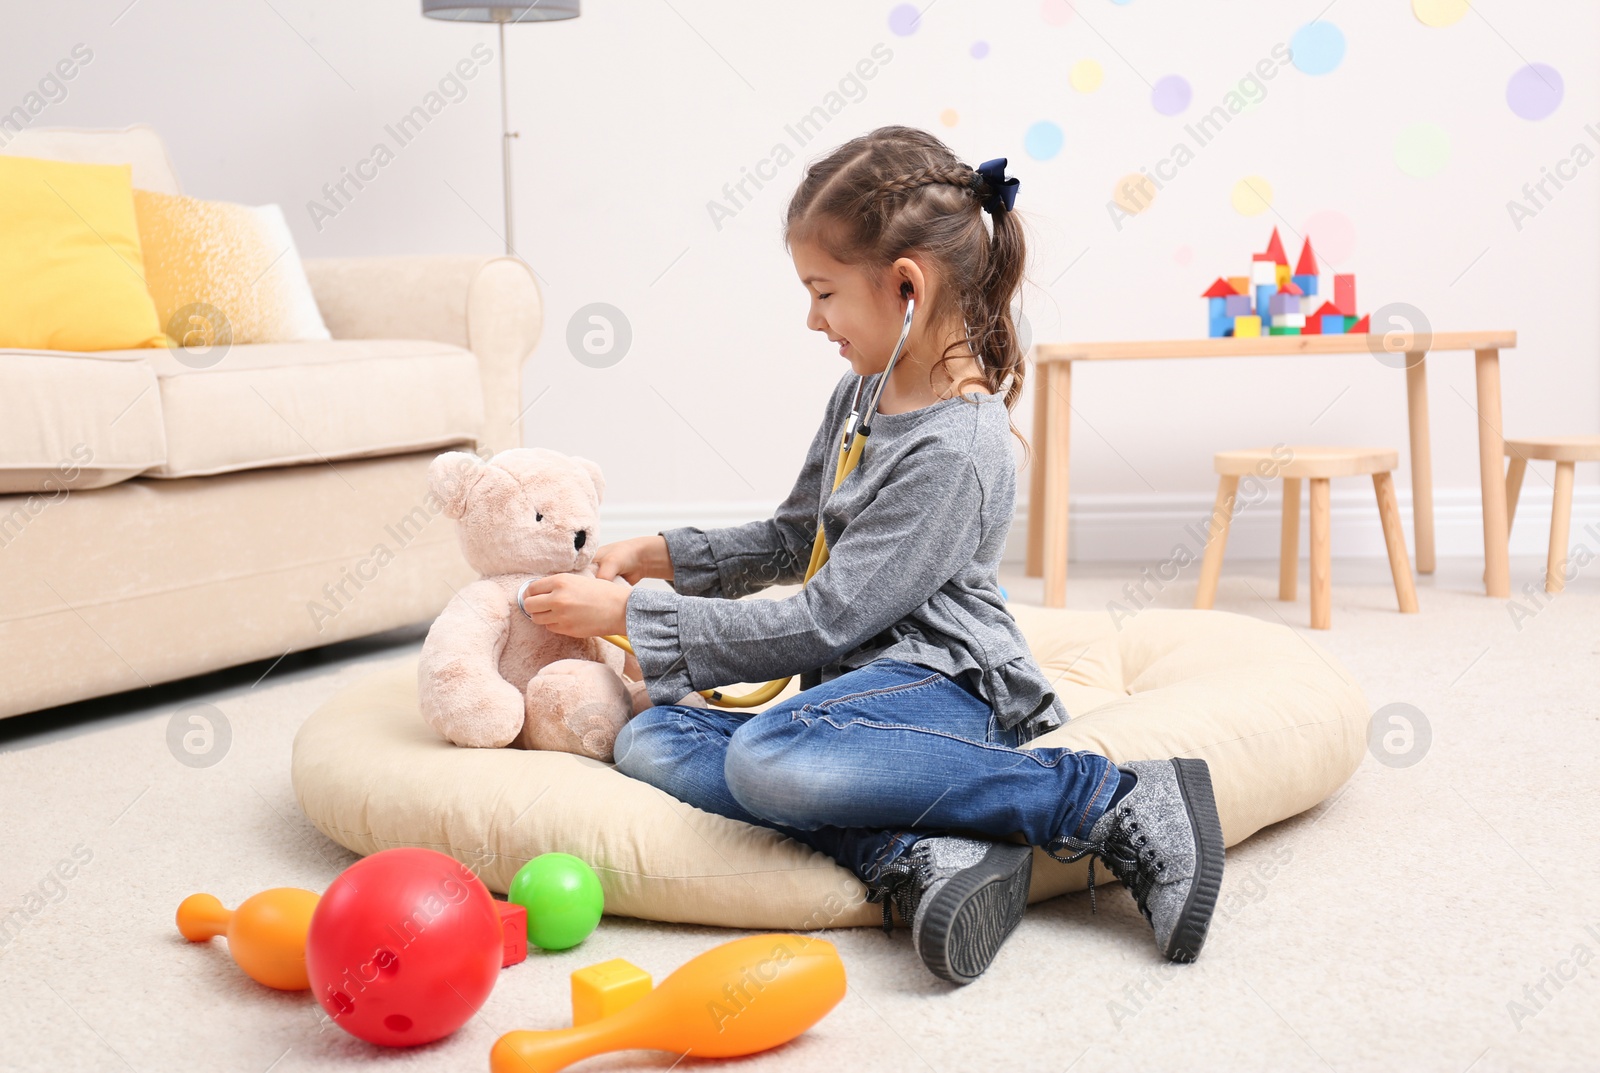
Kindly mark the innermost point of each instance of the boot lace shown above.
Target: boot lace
(1126, 851)
(900, 886)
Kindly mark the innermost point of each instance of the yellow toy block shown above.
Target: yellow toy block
(1246, 327)
(601, 990)
(1283, 275)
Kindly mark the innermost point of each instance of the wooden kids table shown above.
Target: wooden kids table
(1052, 423)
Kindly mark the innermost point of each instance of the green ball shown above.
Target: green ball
(563, 898)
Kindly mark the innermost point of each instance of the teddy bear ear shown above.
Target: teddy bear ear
(595, 476)
(450, 477)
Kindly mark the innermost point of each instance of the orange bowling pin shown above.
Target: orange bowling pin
(266, 934)
(738, 998)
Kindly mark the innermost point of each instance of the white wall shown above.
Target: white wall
(634, 116)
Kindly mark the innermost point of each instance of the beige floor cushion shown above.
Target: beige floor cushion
(1281, 724)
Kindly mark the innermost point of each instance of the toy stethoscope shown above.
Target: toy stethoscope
(854, 443)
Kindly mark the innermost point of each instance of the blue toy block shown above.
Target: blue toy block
(1332, 324)
(1220, 322)
(1238, 305)
(1307, 284)
(1263, 305)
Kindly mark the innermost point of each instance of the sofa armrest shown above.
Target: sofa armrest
(491, 306)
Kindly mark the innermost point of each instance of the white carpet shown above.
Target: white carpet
(1438, 916)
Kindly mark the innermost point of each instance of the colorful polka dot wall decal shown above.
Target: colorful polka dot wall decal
(1439, 13)
(949, 117)
(1422, 150)
(1056, 12)
(1252, 196)
(1535, 91)
(1043, 140)
(1333, 238)
(1171, 95)
(904, 19)
(1134, 192)
(979, 49)
(1317, 47)
(1086, 76)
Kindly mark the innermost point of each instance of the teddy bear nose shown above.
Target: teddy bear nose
(579, 538)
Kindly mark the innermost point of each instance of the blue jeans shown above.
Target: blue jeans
(862, 766)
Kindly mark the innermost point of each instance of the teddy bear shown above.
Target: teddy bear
(490, 676)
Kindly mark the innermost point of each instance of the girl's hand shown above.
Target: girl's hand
(578, 606)
(633, 560)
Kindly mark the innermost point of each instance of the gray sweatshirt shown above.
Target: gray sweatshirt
(915, 535)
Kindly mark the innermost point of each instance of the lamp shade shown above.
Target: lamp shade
(522, 11)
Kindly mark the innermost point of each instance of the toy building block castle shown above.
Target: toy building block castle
(1272, 300)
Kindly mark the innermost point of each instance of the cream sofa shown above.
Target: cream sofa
(159, 520)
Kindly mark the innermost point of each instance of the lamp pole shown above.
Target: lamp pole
(506, 134)
(501, 13)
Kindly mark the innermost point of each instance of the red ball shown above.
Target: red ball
(404, 947)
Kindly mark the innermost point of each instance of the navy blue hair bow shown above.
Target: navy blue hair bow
(1002, 191)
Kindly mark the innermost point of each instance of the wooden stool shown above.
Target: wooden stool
(1319, 465)
(1563, 451)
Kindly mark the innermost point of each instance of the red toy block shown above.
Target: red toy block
(1344, 294)
(1362, 326)
(1291, 288)
(1327, 309)
(514, 919)
(1313, 326)
(1220, 289)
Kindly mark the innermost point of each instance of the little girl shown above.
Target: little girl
(900, 757)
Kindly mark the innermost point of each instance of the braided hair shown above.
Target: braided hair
(897, 191)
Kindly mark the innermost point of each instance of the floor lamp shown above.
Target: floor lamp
(500, 15)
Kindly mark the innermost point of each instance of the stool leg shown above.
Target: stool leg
(1321, 556)
(1289, 541)
(1394, 535)
(1560, 522)
(1216, 541)
(1514, 474)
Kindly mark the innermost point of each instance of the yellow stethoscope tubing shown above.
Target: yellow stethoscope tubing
(850, 451)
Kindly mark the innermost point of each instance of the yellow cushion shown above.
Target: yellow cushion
(224, 274)
(71, 267)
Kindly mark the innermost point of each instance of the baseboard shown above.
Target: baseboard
(1138, 528)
